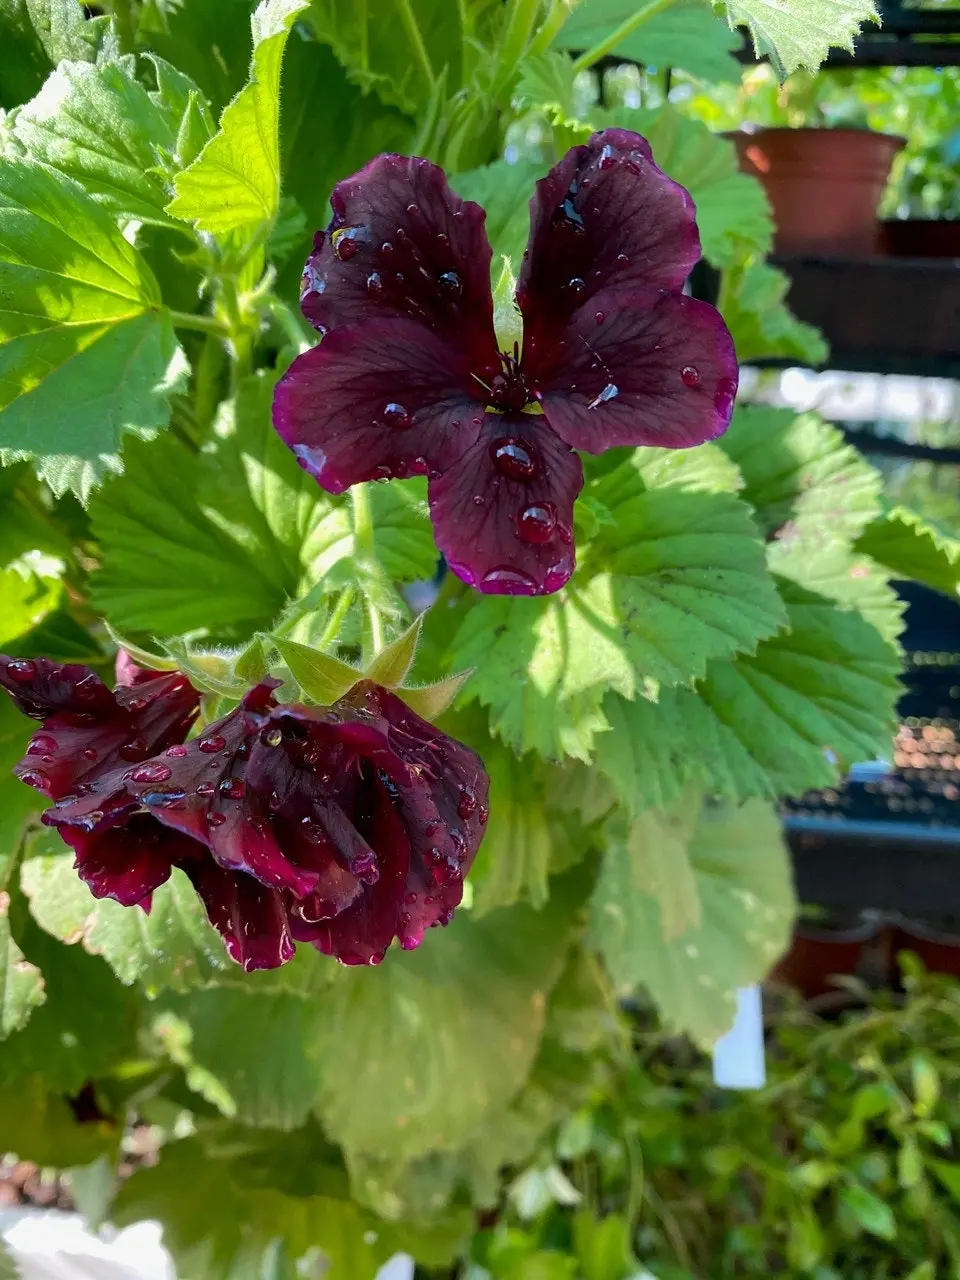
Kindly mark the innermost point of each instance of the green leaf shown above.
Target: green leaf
(17, 802)
(949, 1175)
(418, 1051)
(798, 471)
(603, 1247)
(733, 212)
(547, 82)
(800, 33)
(38, 1125)
(760, 321)
(868, 1210)
(913, 548)
(234, 184)
(685, 36)
(21, 983)
(99, 125)
(172, 947)
(26, 599)
(817, 697)
(431, 700)
(693, 908)
(323, 678)
(504, 191)
(82, 326)
(392, 58)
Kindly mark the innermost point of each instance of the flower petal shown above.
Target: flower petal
(604, 217)
(40, 687)
(503, 513)
(659, 369)
(401, 243)
(250, 917)
(127, 862)
(374, 401)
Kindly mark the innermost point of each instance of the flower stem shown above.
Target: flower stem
(516, 37)
(199, 323)
(550, 27)
(409, 20)
(363, 523)
(336, 619)
(619, 34)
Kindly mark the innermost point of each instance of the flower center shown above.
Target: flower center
(508, 389)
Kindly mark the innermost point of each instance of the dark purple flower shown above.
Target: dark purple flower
(344, 826)
(408, 379)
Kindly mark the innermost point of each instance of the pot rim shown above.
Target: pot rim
(760, 130)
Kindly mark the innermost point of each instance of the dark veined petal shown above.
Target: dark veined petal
(129, 859)
(250, 917)
(641, 369)
(605, 217)
(402, 244)
(377, 400)
(88, 730)
(503, 514)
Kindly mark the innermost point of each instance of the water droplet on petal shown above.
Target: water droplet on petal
(410, 899)
(177, 751)
(623, 260)
(312, 831)
(512, 582)
(210, 745)
(387, 249)
(608, 157)
(483, 815)
(450, 284)
(537, 522)
(34, 778)
(162, 799)
(690, 376)
(233, 788)
(725, 395)
(395, 415)
(609, 392)
(468, 802)
(479, 500)
(22, 670)
(413, 210)
(514, 457)
(374, 282)
(600, 317)
(206, 789)
(346, 242)
(152, 771)
(135, 749)
(216, 819)
(41, 744)
(88, 753)
(577, 286)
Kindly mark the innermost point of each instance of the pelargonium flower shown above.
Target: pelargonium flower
(344, 826)
(409, 379)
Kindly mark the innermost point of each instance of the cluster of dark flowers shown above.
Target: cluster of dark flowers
(343, 826)
(351, 825)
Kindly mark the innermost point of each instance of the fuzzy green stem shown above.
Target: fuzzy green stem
(550, 27)
(287, 323)
(363, 523)
(336, 619)
(409, 20)
(516, 38)
(619, 34)
(199, 324)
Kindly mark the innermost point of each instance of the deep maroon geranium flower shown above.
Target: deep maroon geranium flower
(344, 826)
(409, 380)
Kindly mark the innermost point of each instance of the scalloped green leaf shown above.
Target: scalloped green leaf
(800, 33)
(82, 326)
(909, 546)
(693, 903)
(21, 983)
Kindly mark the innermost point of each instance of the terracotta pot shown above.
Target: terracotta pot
(817, 955)
(825, 185)
(939, 951)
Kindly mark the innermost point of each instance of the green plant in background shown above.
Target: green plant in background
(724, 640)
(844, 1167)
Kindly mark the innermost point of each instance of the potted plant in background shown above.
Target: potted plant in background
(824, 169)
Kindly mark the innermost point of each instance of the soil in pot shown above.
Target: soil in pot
(825, 185)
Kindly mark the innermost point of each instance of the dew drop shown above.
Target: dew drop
(450, 284)
(410, 899)
(608, 157)
(609, 392)
(209, 745)
(383, 473)
(725, 395)
(410, 942)
(162, 799)
(511, 582)
(623, 260)
(467, 805)
(177, 751)
(387, 249)
(600, 317)
(22, 670)
(272, 737)
(34, 778)
(514, 457)
(153, 771)
(479, 500)
(483, 815)
(206, 789)
(577, 286)
(41, 744)
(346, 242)
(88, 753)
(135, 749)
(232, 788)
(537, 522)
(395, 415)
(216, 819)
(374, 282)
(413, 210)
(690, 376)
(87, 689)
(312, 831)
